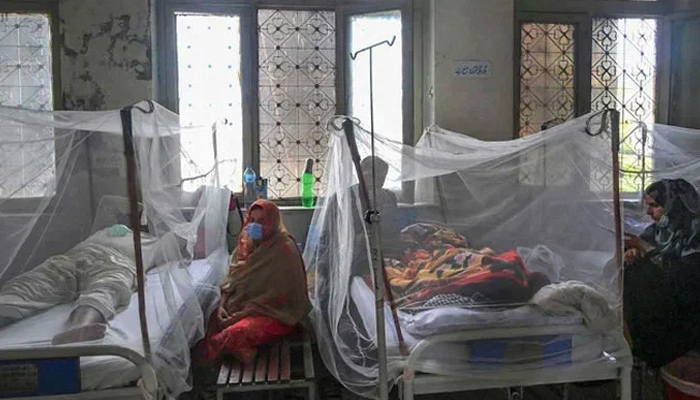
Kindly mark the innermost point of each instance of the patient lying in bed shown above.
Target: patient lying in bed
(98, 276)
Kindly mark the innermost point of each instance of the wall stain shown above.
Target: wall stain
(105, 54)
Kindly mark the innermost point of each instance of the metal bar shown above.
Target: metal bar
(494, 333)
(127, 129)
(354, 55)
(607, 8)
(372, 217)
(615, 132)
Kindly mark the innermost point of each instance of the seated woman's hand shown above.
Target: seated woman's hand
(633, 255)
(635, 242)
(222, 315)
(234, 265)
(232, 319)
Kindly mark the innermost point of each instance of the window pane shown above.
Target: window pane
(365, 30)
(26, 82)
(209, 85)
(624, 78)
(546, 75)
(297, 95)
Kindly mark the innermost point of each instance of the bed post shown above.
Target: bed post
(128, 133)
(615, 132)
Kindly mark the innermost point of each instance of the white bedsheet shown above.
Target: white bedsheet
(124, 329)
(452, 319)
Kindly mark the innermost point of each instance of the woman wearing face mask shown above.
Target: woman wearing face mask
(662, 275)
(265, 295)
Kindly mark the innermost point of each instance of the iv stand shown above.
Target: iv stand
(372, 218)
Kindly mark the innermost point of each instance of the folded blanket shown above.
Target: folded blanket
(571, 298)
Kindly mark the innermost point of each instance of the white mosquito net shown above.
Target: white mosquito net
(516, 236)
(68, 239)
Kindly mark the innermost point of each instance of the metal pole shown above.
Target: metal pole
(128, 133)
(615, 132)
(377, 257)
(374, 220)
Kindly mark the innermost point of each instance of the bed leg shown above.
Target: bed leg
(566, 391)
(219, 394)
(406, 389)
(312, 391)
(626, 383)
(515, 393)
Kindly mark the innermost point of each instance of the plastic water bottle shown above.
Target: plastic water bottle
(307, 184)
(249, 190)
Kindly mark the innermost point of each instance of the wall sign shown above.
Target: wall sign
(472, 69)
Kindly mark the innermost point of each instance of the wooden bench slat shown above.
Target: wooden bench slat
(224, 374)
(273, 369)
(248, 371)
(285, 363)
(235, 378)
(261, 367)
(308, 356)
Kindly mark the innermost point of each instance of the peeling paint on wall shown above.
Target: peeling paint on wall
(106, 58)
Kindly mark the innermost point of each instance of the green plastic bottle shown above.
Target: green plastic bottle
(307, 185)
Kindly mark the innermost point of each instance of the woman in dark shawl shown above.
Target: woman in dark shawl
(662, 275)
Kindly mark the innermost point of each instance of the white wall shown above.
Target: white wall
(473, 30)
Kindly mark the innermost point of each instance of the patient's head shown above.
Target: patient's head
(381, 170)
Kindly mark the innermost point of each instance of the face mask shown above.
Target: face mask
(119, 230)
(255, 231)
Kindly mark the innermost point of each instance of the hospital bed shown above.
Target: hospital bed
(123, 373)
(458, 349)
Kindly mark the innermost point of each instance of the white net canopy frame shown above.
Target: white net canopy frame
(114, 241)
(543, 207)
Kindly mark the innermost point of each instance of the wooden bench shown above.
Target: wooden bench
(285, 365)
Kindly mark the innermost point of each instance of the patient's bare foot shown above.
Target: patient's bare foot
(84, 324)
(84, 333)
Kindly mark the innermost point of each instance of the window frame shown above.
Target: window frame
(166, 61)
(582, 57)
(564, 11)
(405, 7)
(666, 52)
(582, 13)
(50, 8)
(168, 90)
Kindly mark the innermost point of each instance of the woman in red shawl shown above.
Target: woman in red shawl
(265, 295)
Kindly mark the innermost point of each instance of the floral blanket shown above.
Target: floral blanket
(440, 268)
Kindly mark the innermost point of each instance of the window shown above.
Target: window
(366, 30)
(209, 82)
(547, 65)
(624, 78)
(555, 84)
(296, 78)
(27, 170)
(272, 78)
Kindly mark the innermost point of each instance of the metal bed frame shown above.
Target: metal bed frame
(411, 384)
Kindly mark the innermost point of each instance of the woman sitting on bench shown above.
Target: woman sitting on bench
(265, 295)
